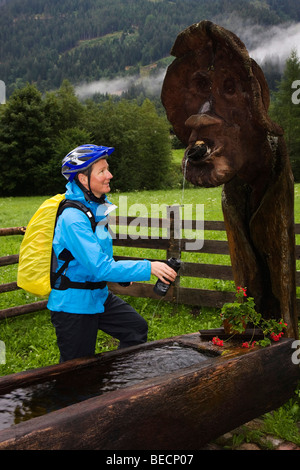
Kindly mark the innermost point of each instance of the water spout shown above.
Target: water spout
(198, 151)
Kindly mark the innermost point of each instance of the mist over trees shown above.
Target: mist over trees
(47, 41)
(37, 131)
(43, 43)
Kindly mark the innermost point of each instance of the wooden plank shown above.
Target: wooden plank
(219, 247)
(187, 296)
(129, 242)
(210, 271)
(208, 400)
(10, 287)
(249, 334)
(8, 260)
(138, 289)
(209, 225)
(12, 231)
(203, 297)
(22, 309)
(180, 294)
(135, 258)
(213, 225)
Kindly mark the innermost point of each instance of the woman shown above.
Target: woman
(78, 313)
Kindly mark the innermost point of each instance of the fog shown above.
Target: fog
(117, 86)
(113, 87)
(274, 43)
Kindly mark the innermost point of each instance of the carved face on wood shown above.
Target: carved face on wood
(216, 98)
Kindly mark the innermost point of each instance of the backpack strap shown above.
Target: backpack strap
(77, 205)
(67, 256)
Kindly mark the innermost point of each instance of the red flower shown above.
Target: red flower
(275, 337)
(242, 289)
(248, 345)
(217, 341)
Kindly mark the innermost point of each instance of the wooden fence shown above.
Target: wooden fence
(173, 246)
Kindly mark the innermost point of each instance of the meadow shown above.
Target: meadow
(30, 339)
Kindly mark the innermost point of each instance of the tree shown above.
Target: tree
(154, 147)
(67, 140)
(25, 143)
(36, 133)
(285, 110)
(142, 156)
(64, 108)
(66, 116)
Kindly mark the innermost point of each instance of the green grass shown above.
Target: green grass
(17, 212)
(30, 339)
(284, 422)
(31, 342)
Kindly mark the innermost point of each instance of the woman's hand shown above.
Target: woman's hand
(163, 272)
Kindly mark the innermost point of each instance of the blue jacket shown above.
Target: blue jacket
(93, 258)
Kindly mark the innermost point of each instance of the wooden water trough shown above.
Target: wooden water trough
(210, 391)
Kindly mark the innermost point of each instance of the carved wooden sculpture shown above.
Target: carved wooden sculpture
(216, 98)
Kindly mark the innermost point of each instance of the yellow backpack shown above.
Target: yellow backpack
(36, 257)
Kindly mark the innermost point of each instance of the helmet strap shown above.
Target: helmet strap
(88, 194)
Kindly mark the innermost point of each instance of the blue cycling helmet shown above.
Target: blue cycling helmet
(82, 158)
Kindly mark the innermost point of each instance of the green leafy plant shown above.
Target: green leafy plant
(237, 315)
(241, 312)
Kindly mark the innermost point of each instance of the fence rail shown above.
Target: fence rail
(173, 247)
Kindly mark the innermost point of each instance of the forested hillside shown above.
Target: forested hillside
(46, 41)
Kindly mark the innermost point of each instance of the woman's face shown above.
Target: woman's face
(99, 180)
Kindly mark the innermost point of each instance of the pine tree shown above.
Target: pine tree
(25, 143)
(286, 111)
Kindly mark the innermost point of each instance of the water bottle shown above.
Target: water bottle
(161, 288)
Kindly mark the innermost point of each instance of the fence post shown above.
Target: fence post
(174, 222)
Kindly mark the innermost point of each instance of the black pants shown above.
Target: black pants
(77, 333)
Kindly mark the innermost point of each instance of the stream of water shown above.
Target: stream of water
(183, 182)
